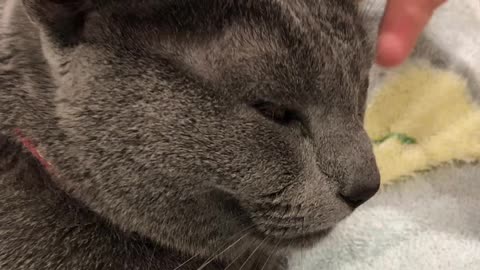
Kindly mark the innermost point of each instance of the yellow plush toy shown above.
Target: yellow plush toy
(421, 118)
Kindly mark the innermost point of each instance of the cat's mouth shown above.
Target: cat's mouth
(299, 241)
(289, 231)
(274, 231)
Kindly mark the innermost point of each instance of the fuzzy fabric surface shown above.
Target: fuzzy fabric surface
(430, 220)
(429, 223)
(422, 117)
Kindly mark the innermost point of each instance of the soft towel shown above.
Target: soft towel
(423, 117)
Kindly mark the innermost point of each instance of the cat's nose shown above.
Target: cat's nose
(359, 194)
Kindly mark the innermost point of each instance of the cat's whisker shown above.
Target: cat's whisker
(187, 261)
(230, 238)
(238, 257)
(271, 254)
(212, 258)
(253, 252)
(150, 263)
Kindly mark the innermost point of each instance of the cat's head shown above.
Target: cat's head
(197, 122)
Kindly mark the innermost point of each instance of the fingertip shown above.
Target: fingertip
(391, 50)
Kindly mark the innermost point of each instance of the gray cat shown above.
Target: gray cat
(179, 134)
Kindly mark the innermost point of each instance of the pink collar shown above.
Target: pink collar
(30, 146)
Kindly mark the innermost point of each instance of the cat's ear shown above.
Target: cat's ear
(60, 20)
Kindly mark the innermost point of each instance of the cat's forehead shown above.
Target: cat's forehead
(279, 62)
(247, 27)
(269, 45)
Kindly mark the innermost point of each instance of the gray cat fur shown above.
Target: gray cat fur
(178, 128)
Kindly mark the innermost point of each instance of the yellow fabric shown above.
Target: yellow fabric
(431, 106)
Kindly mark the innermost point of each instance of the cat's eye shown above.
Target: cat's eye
(281, 115)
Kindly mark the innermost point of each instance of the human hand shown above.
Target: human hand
(402, 24)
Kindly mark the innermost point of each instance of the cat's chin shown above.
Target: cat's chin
(304, 241)
(289, 242)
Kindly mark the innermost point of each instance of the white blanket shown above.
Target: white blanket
(432, 222)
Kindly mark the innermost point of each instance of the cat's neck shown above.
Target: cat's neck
(66, 232)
